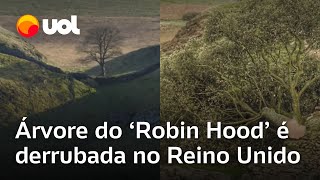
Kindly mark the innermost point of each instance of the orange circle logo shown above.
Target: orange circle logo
(27, 26)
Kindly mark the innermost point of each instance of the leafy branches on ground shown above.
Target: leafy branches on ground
(255, 55)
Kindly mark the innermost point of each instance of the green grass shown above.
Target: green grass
(29, 89)
(11, 44)
(26, 88)
(81, 7)
(134, 96)
(211, 2)
(137, 96)
(131, 62)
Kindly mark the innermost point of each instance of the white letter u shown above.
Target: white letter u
(240, 159)
(46, 29)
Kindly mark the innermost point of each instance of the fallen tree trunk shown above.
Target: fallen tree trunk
(271, 115)
(296, 131)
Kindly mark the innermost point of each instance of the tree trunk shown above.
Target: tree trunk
(296, 131)
(296, 108)
(272, 116)
(103, 70)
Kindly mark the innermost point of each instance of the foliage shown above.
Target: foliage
(255, 54)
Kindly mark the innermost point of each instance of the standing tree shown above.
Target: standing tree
(101, 44)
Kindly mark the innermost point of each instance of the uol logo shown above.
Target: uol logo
(28, 26)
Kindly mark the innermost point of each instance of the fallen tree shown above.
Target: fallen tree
(257, 60)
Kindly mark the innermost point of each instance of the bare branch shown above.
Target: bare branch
(102, 44)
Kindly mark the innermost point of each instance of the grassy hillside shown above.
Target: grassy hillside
(193, 29)
(26, 88)
(174, 12)
(131, 62)
(81, 7)
(121, 102)
(49, 98)
(139, 95)
(11, 44)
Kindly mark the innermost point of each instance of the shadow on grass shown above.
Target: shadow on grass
(118, 101)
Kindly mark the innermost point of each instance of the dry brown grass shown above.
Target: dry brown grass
(170, 11)
(63, 51)
(168, 33)
(172, 14)
(168, 29)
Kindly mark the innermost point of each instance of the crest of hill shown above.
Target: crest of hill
(28, 85)
(13, 45)
(131, 63)
(193, 29)
(27, 88)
